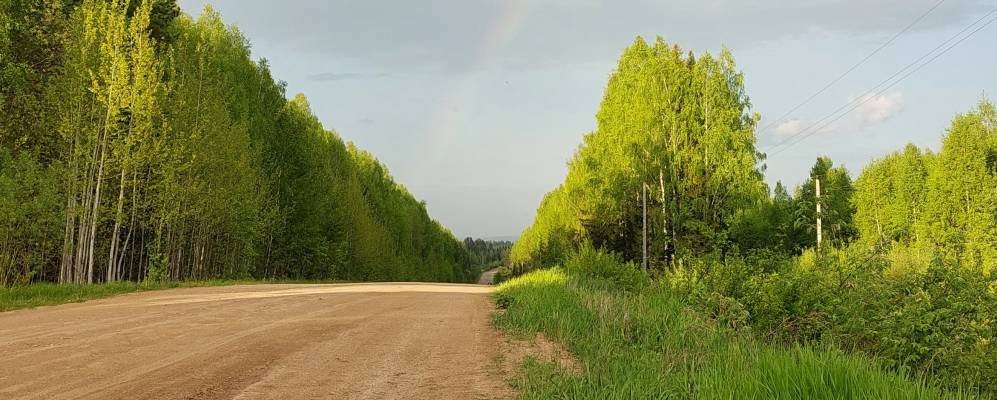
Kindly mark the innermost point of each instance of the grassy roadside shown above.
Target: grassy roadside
(48, 294)
(647, 344)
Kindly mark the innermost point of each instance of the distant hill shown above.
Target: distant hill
(501, 238)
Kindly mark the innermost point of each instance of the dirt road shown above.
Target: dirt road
(488, 277)
(363, 341)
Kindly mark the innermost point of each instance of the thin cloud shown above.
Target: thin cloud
(789, 128)
(875, 110)
(871, 110)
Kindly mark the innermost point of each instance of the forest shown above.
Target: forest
(903, 276)
(487, 253)
(140, 144)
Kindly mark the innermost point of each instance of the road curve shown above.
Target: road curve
(384, 341)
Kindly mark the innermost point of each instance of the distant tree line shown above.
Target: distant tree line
(140, 143)
(487, 253)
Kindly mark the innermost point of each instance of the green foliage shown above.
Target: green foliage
(890, 195)
(789, 223)
(161, 18)
(649, 344)
(551, 237)
(157, 271)
(960, 215)
(45, 294)
(771, 224)
(31, 208)
(49, 294)
(836, 207)
(154, 148)
(904, 274)
(680, 125)
(31, 48)
(945, 203)
(502, 274)
(605, 268)
(916, 290)
(937, 321)
(487, 253)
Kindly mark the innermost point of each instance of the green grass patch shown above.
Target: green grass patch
(648, 344)
(48, 294)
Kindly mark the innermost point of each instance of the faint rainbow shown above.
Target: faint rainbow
(445, 119)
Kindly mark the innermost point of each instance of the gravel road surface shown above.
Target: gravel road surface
(349, 341)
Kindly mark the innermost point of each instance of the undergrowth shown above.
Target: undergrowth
(647, 343)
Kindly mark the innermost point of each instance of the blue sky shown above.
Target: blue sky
(476, 105)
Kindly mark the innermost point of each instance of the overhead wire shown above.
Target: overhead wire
(853, 67)
(917, 65)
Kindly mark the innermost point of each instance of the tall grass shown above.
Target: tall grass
(47, 294)
(648, 344)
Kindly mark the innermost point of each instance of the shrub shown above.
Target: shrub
(930, 317)
(605, 269)
(939, 322)
(650, 344)
(31, 210)
(502, 274)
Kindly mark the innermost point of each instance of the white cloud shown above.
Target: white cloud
(871, 110)
(874, 110)
(789, 128)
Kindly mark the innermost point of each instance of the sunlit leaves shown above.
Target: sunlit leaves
(677, 124)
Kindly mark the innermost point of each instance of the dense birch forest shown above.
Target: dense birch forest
(139, 143)
(905, 269)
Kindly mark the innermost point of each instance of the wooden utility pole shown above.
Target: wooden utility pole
(817, 200)
(644, 201)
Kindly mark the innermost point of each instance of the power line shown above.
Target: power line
(853, 67)
(885, 81)
(872, 93)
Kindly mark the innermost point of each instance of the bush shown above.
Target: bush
(935, 319)
(605, 269)
(940, 322)
(31, 219)
(502, 274)
(649, 344)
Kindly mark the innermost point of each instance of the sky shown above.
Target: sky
(477, 105)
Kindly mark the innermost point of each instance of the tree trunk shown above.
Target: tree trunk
(119, 265)
(96, 215)
(67, 242)
(84, 219)
(112, 257)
